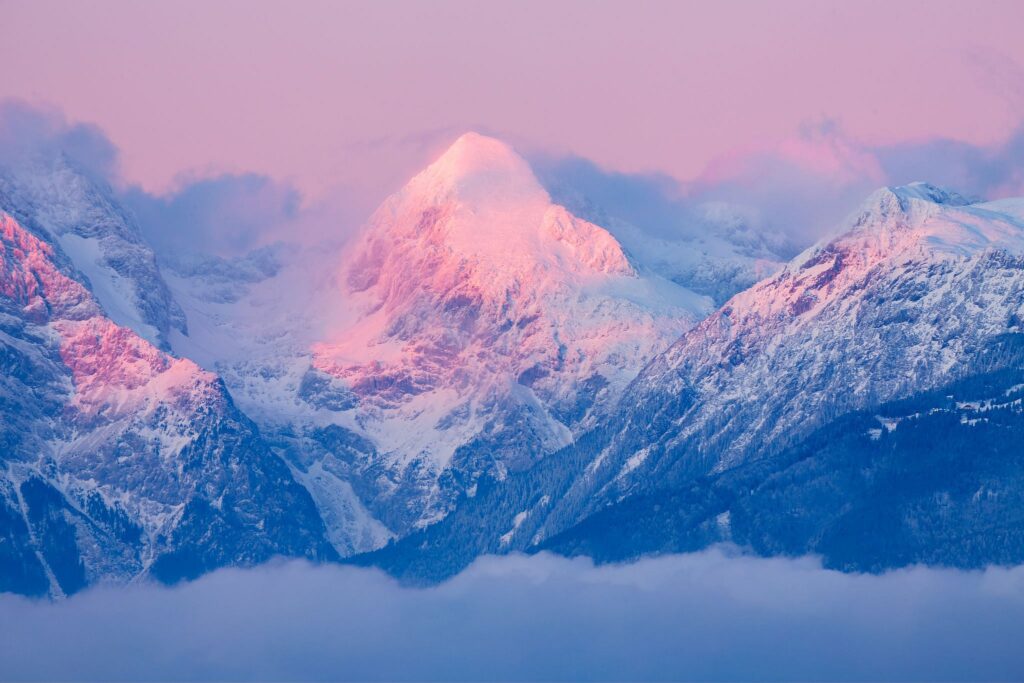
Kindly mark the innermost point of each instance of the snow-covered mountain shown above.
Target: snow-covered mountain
(63, 204)
(911, 296)
(482, 370)
(936, 478)
(117, 459)
(471, 328)
(920, 290)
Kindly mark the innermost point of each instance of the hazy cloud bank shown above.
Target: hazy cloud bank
(794, 192)
(714, 615)
(27, 130)
(226, 215)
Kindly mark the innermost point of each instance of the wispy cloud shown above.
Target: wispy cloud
(989, 172)
(222, 214)
(226, 215)
(714, 615)
(29, 130)
(799, 189)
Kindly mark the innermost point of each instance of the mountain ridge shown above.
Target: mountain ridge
(80, 215)
(839, 329)
(118, 458)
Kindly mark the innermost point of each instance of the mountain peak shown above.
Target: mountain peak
(477, 168)
(472, 151)
(919, 221)
(480, 209)
(74, 209)
(903, 203)
(922, 191)
(939, 220)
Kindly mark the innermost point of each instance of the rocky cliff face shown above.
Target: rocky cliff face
(118, 459)
(69, 207)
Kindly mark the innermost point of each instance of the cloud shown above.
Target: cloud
(790, 193)
(225, 215)
(796, 191)
(651, 201)
(715, 615)
(801, 187)
(986, 172)
(27, 130)
(776, 198)
(231, 215)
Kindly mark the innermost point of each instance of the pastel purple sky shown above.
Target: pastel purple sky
(360, 95)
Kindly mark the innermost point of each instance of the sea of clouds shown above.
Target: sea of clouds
(712, 616)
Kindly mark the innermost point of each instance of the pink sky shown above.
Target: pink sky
(362, 94)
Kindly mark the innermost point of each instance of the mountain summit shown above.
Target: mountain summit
(490, 324)
(479, 169)
(915, 219)
(478, 217)
(472, 327)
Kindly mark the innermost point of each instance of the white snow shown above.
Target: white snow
(517, 522)
(350, 526)
(116, 295)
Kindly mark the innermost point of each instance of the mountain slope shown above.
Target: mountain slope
(908, 298)
(78, 213)
(935, 479)
(119, 460)
(472, 328)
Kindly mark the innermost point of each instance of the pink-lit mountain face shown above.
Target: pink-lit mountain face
(488, 325)
(503, 273)
(114, 372)
(470, 279)
(115, 454)
(473, 326)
